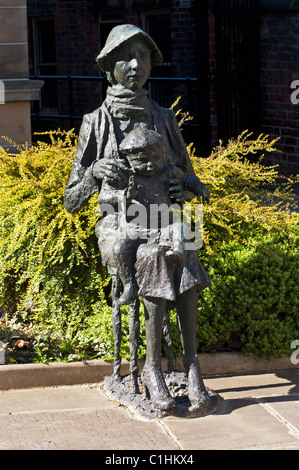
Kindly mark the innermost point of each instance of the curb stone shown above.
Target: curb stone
(20, 376)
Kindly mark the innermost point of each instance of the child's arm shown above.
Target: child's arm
(179, 180)
(193, 184)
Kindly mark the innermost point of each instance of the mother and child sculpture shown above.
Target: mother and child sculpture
(132, 152)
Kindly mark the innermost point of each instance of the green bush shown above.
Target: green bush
(253, 302)
(251, 252)
(54, 286)
(49, 260)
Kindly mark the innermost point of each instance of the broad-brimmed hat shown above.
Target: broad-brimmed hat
(118, 36)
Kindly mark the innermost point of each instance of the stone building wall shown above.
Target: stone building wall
(16, 90)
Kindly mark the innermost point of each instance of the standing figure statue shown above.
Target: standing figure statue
(131, 151)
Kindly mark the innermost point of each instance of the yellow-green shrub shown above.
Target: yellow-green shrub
(251, 251)
(49, 262)
(246, 196)
(51, 272)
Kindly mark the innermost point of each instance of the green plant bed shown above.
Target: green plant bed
(55, 293)
(253, 303)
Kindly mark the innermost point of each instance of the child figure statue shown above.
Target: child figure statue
(109, 142)
(145, 152)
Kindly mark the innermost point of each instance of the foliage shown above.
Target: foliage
(50, 266)
(246, 196)
(55, 293)
(250, 249)
(253, 302)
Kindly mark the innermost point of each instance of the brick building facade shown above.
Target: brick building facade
(279, 62)
(241, 55)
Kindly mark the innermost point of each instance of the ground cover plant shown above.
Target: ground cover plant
(55, 294)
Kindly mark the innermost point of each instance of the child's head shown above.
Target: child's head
(126, 48)
(144, 150)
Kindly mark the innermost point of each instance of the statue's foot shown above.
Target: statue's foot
(204, 404)
(129, 294)
(198, 395)
(197, 392)
(156, 389)
(198, 398)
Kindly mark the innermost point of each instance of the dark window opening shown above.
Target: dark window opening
(158, 26)
(107, 23)
(44, 61)
(237, 58)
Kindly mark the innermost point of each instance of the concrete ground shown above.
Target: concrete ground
(259, 411)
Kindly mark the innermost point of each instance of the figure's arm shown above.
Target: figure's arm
(82, 184)
(194, 185)
(181, 183)
(114, 171)
(189, 181)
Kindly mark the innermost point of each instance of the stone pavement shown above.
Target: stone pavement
(259, 411)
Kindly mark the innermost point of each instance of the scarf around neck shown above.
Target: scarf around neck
(125, 104)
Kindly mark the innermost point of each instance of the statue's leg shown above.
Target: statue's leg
(134, 343)
(152, 376)
(124, 253)
(187, 304)
(116, 323)
(168, 341)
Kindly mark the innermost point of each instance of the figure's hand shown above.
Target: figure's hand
(115, 172)
(203, 192)
(132, 190)
(176, 190)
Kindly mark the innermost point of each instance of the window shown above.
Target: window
(44, 58)
(106, 23)
(157, 24)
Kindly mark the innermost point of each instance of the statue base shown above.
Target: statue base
(120, 389)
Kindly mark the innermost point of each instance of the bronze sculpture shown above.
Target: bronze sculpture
(131, 149)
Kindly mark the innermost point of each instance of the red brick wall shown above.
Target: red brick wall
(279, 55)
(77, 46)
(183, 40)
(77, 39)
(183, 50)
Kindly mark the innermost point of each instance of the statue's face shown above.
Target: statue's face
(133, 64)
(147, 163)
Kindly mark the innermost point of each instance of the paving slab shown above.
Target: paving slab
(285, 409)
(241, 423)
(74, 418)
(259, 411)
